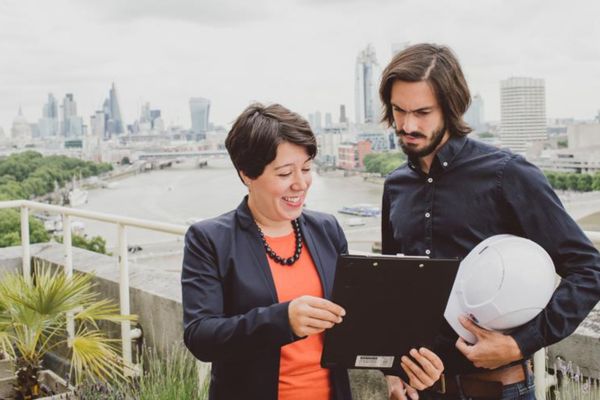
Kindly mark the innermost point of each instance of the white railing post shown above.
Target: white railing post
(25, 243)
(124, 297)
(68, 245)
(539, 373)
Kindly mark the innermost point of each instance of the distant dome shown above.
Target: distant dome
(21, 129)
(20, 119)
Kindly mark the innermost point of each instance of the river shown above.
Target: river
(183, 193)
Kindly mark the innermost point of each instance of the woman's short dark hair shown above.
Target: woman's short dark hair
(438, 66)
(252, 141)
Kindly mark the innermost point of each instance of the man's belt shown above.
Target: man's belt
(488, 384)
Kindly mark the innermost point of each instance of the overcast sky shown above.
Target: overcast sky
(299, 53)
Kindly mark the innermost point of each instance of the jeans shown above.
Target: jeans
(524, 390)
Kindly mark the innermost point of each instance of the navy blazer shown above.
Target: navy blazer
(231, 313)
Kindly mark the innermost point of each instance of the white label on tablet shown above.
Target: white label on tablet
(374, 361)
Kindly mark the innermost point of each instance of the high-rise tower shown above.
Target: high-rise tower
(200, 112)
(523, 112)
(366, 85)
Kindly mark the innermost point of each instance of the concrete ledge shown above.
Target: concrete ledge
(155, 296)
(582, 347)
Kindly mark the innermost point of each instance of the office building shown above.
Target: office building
(522, 113)
(49, 125)
(200, 114)
(366, 87)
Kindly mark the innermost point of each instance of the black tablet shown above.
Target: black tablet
(392, 303)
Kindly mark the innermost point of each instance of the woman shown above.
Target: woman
(255, 280)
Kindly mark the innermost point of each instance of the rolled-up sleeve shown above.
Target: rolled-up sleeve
(542, 218)
(209, 333)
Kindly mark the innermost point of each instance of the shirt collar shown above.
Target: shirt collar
(446, 155)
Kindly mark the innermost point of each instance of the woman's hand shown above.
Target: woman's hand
(425, 371)
(399, 390)
(310, 315)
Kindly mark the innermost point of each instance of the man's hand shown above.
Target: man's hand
(492, 350)
(398, 390)
(425, 371)
(310, 315)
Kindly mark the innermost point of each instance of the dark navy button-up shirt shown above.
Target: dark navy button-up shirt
(474, 191)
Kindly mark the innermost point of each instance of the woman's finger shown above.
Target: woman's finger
(318, 323)
(433, 358)
(426, 365)
(412, 378)
(420, 376)
(325, 315)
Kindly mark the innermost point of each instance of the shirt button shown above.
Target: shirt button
(428, 252)
(427, 215)
(429, 180)
(445, 164)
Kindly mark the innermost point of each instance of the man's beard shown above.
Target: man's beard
(436, 139)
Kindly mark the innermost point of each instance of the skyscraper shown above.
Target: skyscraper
(328, 120)
(112, 111)
(318, 122)
(200, 112)
(366, 82)
(474, 115)
(48, 124)
(343, 118)
(523, 112)
(98, 125)
(72, 125)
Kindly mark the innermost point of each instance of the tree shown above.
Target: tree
(34, 322)
(596, 181)
(383, 163)
(551, 176)
(561, 181)
(10, 229)
(27, 174)
(584, 182)
(572, 181)
(96, 243)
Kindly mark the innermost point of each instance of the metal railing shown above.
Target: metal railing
(122, 223)
(541, 380)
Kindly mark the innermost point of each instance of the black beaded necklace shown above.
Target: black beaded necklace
(278, 259)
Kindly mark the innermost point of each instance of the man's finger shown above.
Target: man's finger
(464, 347)
(472, 326)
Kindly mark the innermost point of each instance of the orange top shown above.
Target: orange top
(300, 374)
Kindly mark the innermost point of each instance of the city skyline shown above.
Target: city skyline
(235, 53)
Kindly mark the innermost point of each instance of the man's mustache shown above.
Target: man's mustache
(402, 132)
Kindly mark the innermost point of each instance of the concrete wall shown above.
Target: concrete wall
(155, 296)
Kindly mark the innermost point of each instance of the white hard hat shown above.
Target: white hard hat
(504, 282)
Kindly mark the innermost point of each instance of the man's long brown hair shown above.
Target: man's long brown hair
(438, 66)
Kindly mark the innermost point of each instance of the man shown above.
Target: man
(455, 192)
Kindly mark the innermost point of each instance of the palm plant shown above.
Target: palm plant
(33, 322)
